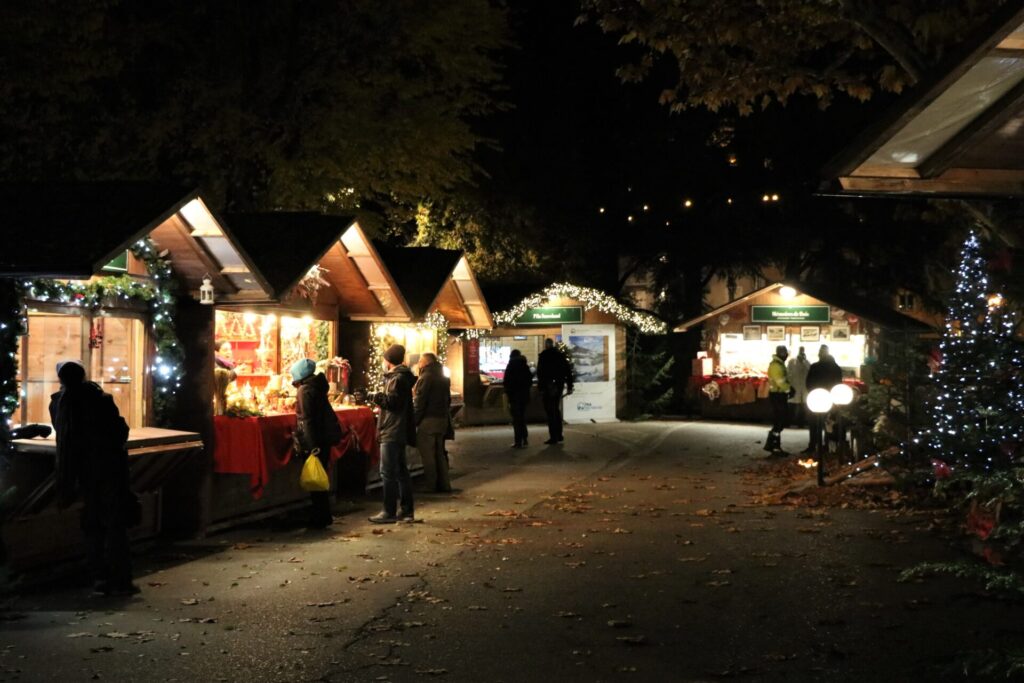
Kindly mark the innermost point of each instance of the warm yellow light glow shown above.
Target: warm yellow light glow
(765, 198)
(807, 464)
(819, 401)
(775, 197)
(729, 200)
(842, 394)
(787, 292)
(629, 218)
(732, 160)
(646, 208)
(995, 301)
(249, 318)
(601, 210)
(688, 203)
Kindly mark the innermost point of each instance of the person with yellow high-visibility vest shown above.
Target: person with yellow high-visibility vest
(779, 391)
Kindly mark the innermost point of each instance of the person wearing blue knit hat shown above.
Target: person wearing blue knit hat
(316, 429)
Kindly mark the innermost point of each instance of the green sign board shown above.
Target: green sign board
(119, 264)
(551, 315)
(790, 314)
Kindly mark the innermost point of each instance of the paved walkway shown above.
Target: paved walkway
(632, 553)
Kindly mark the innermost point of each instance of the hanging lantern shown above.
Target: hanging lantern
(206, 291)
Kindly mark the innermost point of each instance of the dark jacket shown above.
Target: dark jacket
(396, 423)
(824, 374)
(553, 370)
(91, 436)
(518, 379)
(432, 395)
(316, 425)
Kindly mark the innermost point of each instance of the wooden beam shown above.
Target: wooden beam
(1004, 22)
(986, 123)
(954, 182)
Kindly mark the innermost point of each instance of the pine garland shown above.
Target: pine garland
(158, 296)
(435, 322)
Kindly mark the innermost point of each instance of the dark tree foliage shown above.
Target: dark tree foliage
(359, 104)
(748, 54)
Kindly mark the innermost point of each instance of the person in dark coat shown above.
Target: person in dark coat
(553, 377)
(397, 428)
(432, 400)
(92, 462)
(517, 382)
(823, 374)
(316, 429)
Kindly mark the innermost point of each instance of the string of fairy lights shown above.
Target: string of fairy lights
(977, 411)
(157, 295)
(590, 299)
(383, 335)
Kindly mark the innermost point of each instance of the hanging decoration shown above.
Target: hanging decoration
(590, 298)
(312, 282)
(381, 337)
(157, 295)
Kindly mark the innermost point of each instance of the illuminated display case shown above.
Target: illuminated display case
(111, 344)
(261, 348)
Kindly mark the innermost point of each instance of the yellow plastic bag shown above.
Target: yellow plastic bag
(314, 477)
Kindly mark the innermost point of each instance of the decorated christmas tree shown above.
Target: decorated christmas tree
(977, 410)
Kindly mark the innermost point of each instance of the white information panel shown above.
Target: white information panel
(593, 353)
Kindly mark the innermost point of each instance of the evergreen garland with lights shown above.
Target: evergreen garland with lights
(977, 411)
(590, 298)
(435, 322)
(158, 295)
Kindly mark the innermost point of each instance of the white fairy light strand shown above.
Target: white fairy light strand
(591, 299)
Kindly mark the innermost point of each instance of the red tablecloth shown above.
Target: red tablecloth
(258, 446)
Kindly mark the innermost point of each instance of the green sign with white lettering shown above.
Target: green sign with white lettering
(790, 314)
(551, 315)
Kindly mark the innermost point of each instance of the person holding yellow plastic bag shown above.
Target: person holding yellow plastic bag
(317, 430)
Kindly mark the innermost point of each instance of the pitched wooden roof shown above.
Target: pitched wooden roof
(72, 230)
(439, 280)
(960, 132)
(869, 310)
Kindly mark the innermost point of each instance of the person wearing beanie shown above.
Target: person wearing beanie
(397, 430)
(92, 463)
(316, 427)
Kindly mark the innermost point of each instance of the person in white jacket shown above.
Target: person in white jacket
(796, 369)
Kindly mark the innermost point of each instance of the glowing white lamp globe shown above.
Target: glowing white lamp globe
(819, 401)
(842, 394)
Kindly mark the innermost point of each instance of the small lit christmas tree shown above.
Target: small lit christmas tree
(977, 410)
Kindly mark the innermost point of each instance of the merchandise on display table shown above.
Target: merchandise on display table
(259, 349)
(258, 446)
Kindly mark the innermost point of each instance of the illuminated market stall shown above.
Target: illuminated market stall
(729, 377)
(95, 272)
(442, 294)
(328, 275)
(590, 323)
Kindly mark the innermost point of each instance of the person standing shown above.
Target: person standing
(92, 462)
(779, 392)
(432, 400)
(796, 371)
(317, 430)
(517, 382)
(553, 376)
(823, 374)
(397, 430)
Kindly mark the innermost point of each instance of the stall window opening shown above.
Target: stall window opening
(112, 347)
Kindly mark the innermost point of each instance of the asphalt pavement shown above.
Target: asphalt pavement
(632, 552)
